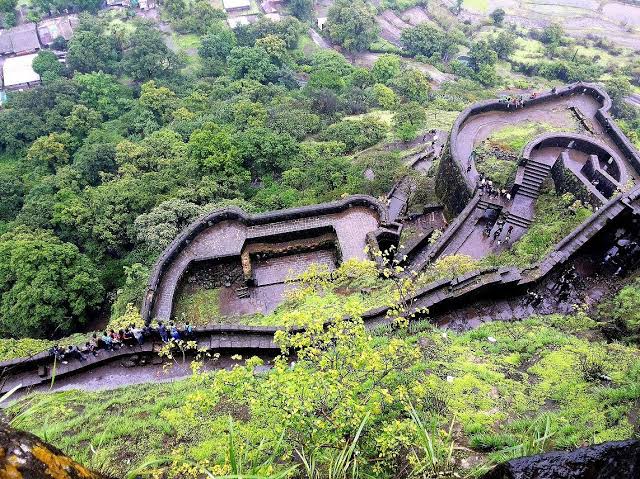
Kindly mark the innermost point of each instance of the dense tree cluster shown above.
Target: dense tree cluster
(120, 149)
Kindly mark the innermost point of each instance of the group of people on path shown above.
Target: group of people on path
(498, 232)
(486, 186)
(130, 336)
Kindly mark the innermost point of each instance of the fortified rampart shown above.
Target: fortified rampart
(465, 185)
(237, 228)
(623, 210)
(438, 297)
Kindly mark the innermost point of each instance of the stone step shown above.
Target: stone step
(242, 292)
(528, 193)
(532, 182)
(518, 220)
(533, 189)
(537, 175)
(536, 165)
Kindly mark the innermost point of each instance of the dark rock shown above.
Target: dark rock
(611, 460)
(156, 360)
(128, 364)
(24, 456)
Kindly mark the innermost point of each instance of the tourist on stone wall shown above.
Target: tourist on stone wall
(162, 331)
(137, 333)
(175, 334)
(106, 341)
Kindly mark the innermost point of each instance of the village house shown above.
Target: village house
(236, 5)
(18, 74)
(52, 28)
(19, 40)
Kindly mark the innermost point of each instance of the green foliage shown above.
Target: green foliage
(553, 34)
(8, 5)
(626, 308)
(428, 41)
(351, 24)
(348, 391)
(481, 55)
(47, 64)
(47, 287)
(408, 119)
(386, 68)
(156, 229)
(498, 16)
(302, 9)
(356, 134)
(504, 44)
(384, 96)
(413, 85)
(148, 57)
(92, 51)
(252, 63)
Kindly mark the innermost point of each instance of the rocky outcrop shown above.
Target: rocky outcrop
(24, 456)
(611, 460)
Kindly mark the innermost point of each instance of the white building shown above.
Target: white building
(17, 73)
(236, 5)
(321, 22)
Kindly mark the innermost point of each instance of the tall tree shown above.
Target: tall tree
(47, 287)
(93, 51)
(148, 57)
(351, 24)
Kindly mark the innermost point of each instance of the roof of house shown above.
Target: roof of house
(50, 29)
(6, 45)
(19, 70)
(25, 38)
(236, 4)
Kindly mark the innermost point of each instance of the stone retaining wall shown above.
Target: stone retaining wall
(279, 219)
(602, 116)
(438, 297)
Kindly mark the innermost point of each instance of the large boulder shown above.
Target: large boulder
(24, 456)
(611, 460)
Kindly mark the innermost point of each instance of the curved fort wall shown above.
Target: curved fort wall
(273, 225)
(438, 296)
(453, 165)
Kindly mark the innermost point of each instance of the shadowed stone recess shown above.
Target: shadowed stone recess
(611, 460)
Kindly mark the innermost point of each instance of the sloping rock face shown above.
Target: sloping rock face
(611, 460)
(24, 456)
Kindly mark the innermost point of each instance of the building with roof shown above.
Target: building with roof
(18, 73)
(270, 6)
(25, 39)
(146, 4)
(236, 5)
(19, 40)
(52, 28)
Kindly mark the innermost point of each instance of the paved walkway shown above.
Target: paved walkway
(517, 214)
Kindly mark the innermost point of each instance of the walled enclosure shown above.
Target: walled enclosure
(233, 233)
(439, 296)
(457, 162)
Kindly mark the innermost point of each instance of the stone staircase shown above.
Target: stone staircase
(242, 292)
(517, 220)
(534, 175)
(495, 203)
